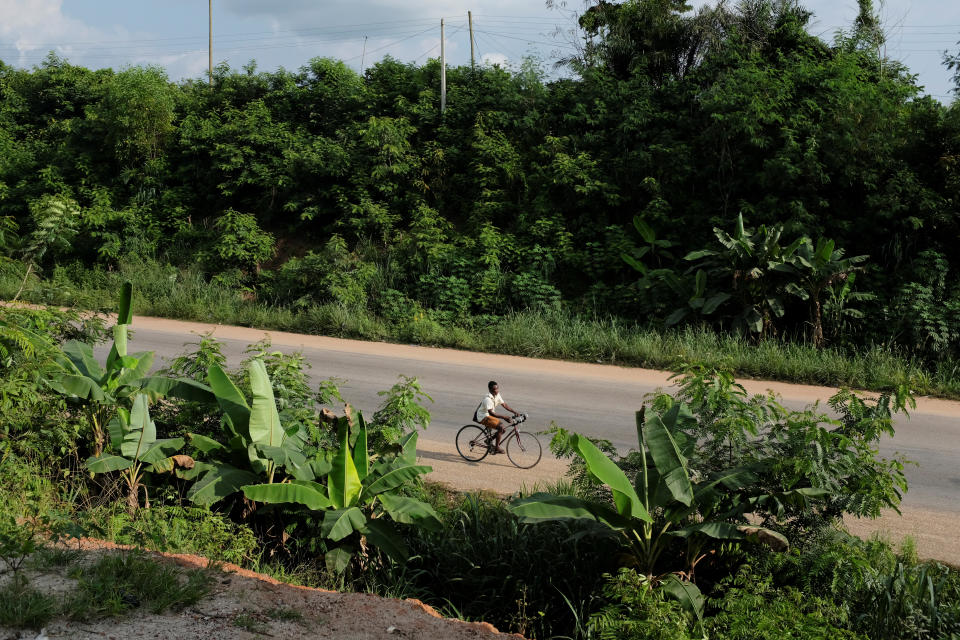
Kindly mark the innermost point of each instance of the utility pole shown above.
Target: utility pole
(363, 55)
(470, 22)
(210, 50)
(443, 72)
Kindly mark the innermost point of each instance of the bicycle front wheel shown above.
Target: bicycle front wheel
(523, 449)
(472, 443)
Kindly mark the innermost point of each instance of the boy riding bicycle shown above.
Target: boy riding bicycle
(487, 415)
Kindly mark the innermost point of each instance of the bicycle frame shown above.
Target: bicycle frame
(481, 442)
(513, 432)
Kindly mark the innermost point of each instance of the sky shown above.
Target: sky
(287, 33)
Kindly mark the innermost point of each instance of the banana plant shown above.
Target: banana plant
(256, 447)
(817, 268)
(359, 491)
(104, 388)
(134, 435)
(661, 506)
(751, 267)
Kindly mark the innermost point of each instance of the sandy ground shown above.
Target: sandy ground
(248, 596)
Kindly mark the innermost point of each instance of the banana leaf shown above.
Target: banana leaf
(383, 536)
(408, 448)
(337, 560)
(141, 432)
(136, 366)
(285, 493)
(603, 469)
(543, 507)
(218, 483)
(670, 463)
(340, 523)
(169, 464)
(203, 443)
(230, 399)
(79, 359)
(264, 425)
(161, 450)
(343, 482)
(686, 593)
(79, 386)
(392, 475)
(107, 463)
(179, 388)
(361, 457)
(411, 511)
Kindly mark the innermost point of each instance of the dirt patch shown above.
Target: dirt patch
(246, 605)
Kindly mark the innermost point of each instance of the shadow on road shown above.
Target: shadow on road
(497, 460)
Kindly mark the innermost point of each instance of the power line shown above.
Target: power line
(527, 40)
(334, 28)
(390, 44)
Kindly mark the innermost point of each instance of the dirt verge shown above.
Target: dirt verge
(246, 605)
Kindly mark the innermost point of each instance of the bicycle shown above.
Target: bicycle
(475, 442)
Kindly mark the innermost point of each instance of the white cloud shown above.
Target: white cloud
(38, 26)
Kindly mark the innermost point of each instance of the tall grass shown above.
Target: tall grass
(167, 291)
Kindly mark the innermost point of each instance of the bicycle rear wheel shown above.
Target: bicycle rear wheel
(472, 443)
(523, 449)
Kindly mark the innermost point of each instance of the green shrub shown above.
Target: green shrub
(751, 608)
(634, 611)
(175, 529)
(884, 594)
(484, 565)
(239, 243)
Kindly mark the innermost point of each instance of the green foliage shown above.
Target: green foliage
(661, 504)
(17, 542)
(793, 451)
(333, 275)
(880, 593)
(240, 243)
(103, 389)
(177, 529)
(402, 412)
(478, 531)
(752, 609)
(633, 611)
(137, 450)
(362, 498)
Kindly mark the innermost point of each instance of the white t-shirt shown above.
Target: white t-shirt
(489, 402)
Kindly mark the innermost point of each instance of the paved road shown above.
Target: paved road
(596, 399)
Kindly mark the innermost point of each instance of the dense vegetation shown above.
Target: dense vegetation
(781, 203)
(723, 522)
(720, 170)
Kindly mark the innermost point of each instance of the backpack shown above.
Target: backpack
(474, 416)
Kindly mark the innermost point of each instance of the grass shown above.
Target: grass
(166, 291)
(53, 558)
(256, 622)
(250, 623)
(119, 582)
(23, 607)
(284, 614)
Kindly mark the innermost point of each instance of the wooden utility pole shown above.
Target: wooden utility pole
(470, 22)
(443, 72)
(363, 56)
(210, 49)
